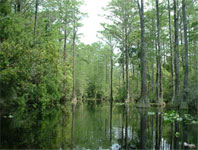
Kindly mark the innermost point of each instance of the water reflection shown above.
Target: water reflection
(73, 121)
(95, 125)
(35, 130)
(111, 111)
(142, 130)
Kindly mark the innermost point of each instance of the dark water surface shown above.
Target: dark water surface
(95, 125)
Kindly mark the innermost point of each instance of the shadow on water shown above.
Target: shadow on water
(96, 125)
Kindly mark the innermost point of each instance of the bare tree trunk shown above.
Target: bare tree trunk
(106, 73)
(181, 35)
(74, 100)
(152, 76)
(65, 44)
(171, 51)
(176, 49)
(181, 42)
(159, 69)
(185, 87)
(127, 53)
(111, 91)
(143, 61)
(123, 72)
(152, 65)
(73, 53)
(144, 102)
(127, 71)
(36, 18)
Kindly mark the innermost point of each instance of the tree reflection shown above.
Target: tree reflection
(76, 127)
(142, 130)
(126, 127)
(158, 129)
(111, 105)
(35, 130)
(73, 121)
(176, 136)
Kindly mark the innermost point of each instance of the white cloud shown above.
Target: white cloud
(91, 24)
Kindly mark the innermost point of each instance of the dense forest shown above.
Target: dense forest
(149, 53)
(146, 55)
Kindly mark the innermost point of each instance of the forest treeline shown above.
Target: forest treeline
(157, 41)
(149, 53)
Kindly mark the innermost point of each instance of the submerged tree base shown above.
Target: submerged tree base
(159, 104)
(74, 100)
(127, 101)
(143, 103)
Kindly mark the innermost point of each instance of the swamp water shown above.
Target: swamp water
(97, 125)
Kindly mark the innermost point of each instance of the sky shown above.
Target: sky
(91, 24)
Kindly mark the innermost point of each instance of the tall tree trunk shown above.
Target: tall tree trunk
(106, 72)
(144, 102)
(74, 100)
(171, 51)
(181, 42)
(152, 75)
(126, 50)
(185, 87)
(154, 41)
(160, 81)
(127, 70)
(176, 50)
(111, 90)
(180, 26)
(36, 18)
(65, 44)
(159, 71)
(73, 53)
(123, 70)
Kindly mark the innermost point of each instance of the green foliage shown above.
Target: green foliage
(92, 70)
(33, 74)
(121, 94)
(172, 116)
